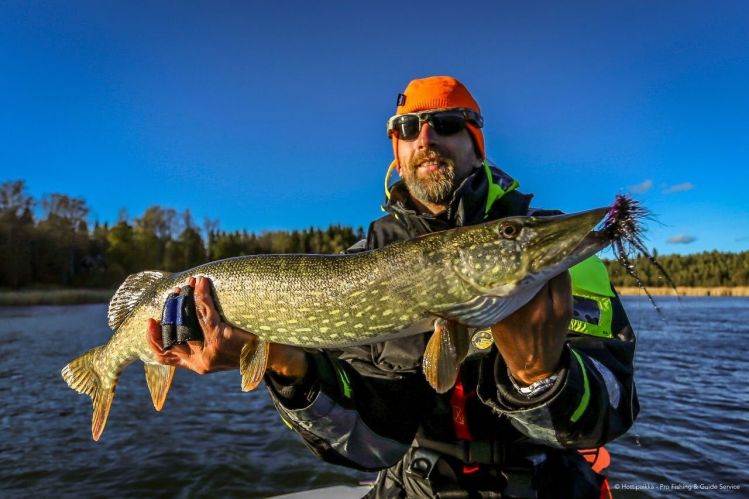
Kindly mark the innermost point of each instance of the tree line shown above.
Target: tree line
(709, 269)
(59, 248)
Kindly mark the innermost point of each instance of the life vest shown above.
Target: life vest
(599, 459)
(592, 315)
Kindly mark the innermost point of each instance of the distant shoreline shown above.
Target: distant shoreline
(54, 297)
(86, 296)
(686, 291)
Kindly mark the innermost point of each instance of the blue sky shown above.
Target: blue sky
(272, 115)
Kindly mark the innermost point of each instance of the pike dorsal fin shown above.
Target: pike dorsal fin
(127, 295)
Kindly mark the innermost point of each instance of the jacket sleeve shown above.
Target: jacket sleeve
(350, 414)
(593, 400)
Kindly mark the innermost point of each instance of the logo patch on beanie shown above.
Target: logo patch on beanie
(401, 100)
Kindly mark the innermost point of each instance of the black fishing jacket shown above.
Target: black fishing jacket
(370, 407)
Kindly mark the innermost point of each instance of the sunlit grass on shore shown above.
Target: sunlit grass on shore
(54, 297)
(687, 291)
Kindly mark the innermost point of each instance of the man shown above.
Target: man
(531, 393)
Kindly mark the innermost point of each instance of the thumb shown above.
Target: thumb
(154, 336)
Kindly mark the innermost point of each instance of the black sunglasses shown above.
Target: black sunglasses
(447, 122)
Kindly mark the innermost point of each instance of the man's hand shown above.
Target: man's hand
(222, 343)
(531, 340)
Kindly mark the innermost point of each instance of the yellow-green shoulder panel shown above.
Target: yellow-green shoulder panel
(591, 276)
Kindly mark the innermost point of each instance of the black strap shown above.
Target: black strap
(469, 452)
(518, 472)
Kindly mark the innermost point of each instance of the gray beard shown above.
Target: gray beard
(436, 189)
(438, 186)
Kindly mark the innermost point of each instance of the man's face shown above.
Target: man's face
(433, 165)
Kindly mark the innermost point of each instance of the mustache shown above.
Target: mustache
(431, 154)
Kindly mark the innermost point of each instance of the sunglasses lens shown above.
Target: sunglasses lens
(408, 127)
(448, 123)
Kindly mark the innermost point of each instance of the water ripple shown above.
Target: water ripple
(211, 439)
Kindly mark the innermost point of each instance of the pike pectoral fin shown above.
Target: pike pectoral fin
(81, 376)
(252, 363)
(444, 353)
(159, 379)
(486, 310)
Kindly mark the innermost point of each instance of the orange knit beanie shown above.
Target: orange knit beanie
(439, 92)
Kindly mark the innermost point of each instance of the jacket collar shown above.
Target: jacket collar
(466, 207)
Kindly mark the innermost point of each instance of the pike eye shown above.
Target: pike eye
(509, 230)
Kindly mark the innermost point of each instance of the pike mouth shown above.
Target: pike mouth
(591, 244)
(569, 240)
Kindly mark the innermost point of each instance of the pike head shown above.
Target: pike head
(499, 257)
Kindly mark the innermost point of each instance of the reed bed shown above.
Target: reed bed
(687, 291)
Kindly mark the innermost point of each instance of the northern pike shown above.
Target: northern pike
(475, 275)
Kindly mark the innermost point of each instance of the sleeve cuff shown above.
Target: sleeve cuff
(295, 393)
(324, 375)
(509, 396)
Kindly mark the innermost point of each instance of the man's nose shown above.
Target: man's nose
(427, 136)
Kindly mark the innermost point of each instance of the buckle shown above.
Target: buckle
(423, 463)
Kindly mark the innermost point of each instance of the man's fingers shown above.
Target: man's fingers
(183, 355)
(561, 283)
(207, 314)
(537, 308)
(203, 290)
(180, 349)
(190, 281)
(560, 289)
(154, 341)
(154, 337)
(198, 356)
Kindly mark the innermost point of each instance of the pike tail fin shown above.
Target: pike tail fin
(81, 376)
(159, 379)
(444, 353)
(253, 361)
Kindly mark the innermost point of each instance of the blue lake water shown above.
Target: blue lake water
(690, 440)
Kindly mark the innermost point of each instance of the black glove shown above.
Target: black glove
(179, 319)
